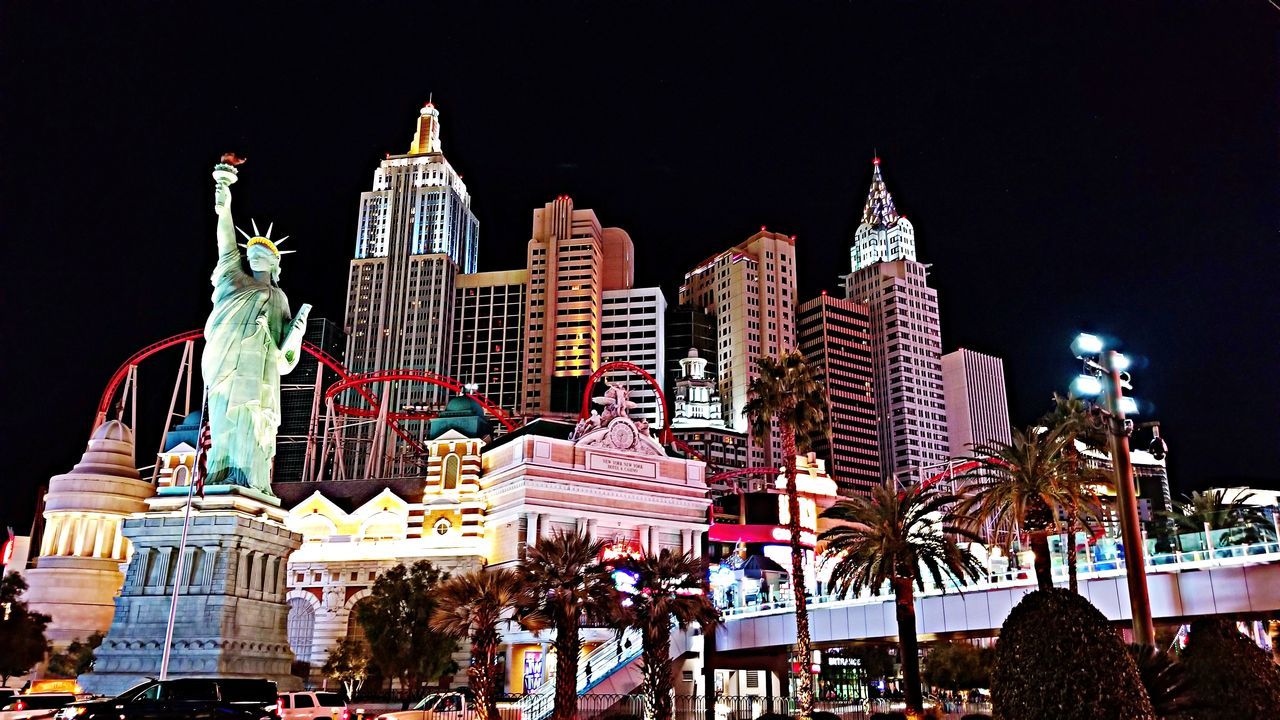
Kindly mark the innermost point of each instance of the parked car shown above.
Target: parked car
(35, 706)
(318, 705)
(456, 705)
(182, 698)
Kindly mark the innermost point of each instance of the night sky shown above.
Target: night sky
(1105, 166)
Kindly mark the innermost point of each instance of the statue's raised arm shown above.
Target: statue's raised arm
(250, 341)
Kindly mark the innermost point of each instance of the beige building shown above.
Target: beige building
(751, 288)
(572, 261)
(82, 553)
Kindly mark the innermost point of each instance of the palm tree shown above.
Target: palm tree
(1023, 486)
(899, 539)
(1074, 413)
(785, 391)
(563, 584)
(472, 606)
(1200, 511)
(668, 590)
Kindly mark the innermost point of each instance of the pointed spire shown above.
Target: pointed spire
(426, 135)
(879, 210)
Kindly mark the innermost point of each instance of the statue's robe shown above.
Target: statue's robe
(241, 375)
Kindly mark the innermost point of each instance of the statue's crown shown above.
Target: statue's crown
(263, 239)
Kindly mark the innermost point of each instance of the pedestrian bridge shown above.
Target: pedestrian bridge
(1181, 586)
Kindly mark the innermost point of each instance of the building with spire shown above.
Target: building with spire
(697, 420)
(416, 233)
(906, 338)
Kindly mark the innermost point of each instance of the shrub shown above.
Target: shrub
(1231, 678)
(1058, 657)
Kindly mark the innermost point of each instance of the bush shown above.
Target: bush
(1058, 657)
(1231, 678)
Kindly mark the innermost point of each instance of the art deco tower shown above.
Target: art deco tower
(416, 232)
(573, 261)
(906, 340)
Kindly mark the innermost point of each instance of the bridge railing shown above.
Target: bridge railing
(1178, 561)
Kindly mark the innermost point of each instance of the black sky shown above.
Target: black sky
(1110, 166)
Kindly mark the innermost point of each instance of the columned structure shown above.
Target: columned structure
(78, 573)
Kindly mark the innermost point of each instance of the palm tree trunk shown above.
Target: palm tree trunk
(1043, 563)
(567, 648)
(908, 647)
(1072, 581)
(656, 670)
(804, 646)
(482, 672)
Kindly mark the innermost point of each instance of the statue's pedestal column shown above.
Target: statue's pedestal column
(232, 614)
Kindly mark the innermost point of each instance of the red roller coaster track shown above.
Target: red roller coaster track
(357, 382)
(629, 367)
(347, 380)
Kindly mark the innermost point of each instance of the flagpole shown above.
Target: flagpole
(192, 479)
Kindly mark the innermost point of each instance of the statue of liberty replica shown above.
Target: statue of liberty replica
(250, 341)
(210, 570)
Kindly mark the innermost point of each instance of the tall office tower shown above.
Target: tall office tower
(906, 340)
(488, 334)
(415, 232)
(632, 323)
(689, 327)
(572, 261)
(751, 290)
(835, 336)
(977, 404)
(697, 418)
(301, 402)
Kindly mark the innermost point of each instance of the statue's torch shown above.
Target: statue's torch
(225, 173)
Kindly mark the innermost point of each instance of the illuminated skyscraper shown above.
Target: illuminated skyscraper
(906, 338)
(415, 233)
(751, 290)
(572, 261)
(835, 336)
(488, 334)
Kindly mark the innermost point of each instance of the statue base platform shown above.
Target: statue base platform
(232, 613)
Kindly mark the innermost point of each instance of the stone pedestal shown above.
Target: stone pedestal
(232, 613)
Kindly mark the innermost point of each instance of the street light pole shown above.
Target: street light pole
(1118, 429)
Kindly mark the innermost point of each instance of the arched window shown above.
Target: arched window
(355, 631)
(301, 628)
(181, 476)
(452, 467)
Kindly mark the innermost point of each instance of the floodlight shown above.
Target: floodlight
(1086, 345)
(1128, 405)
(1120, 361)
(1086, 386)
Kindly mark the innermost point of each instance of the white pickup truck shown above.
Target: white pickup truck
(456, 705)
